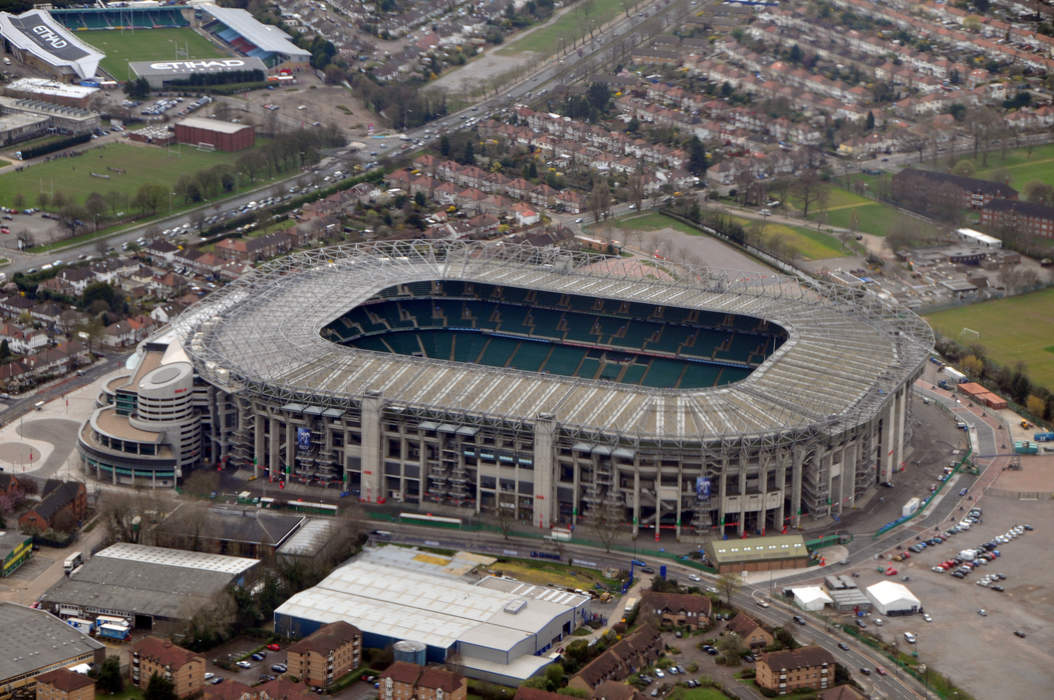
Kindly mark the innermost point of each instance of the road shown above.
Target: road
(778, 613)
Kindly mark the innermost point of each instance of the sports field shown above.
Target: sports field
(1015, 329)
(142, 164)
(546, 40)
(1022, 168)
(811, 245)
(121, 47)
(845, 209)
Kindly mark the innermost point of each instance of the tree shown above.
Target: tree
(605, 520)
(160, 688)
(731, 647)
(5, 350)
(696, 157)
(1036, 405)
(109, 679)
(727, 584)
(599, 199)
(973, 366)
(506, 512)
(94, 207)
(809, 189)
(1039, 192)
(870, 123)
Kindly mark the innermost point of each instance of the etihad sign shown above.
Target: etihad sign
(49, 37)
(196, 65)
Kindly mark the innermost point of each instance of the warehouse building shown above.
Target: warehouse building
(20, 126)
(215, 134)
(159, 74)
(58, 117)
(499, 629)
(892, 598)
(35, 642)
(150, 586)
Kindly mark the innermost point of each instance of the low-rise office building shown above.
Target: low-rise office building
(758, 553)
(786, 671)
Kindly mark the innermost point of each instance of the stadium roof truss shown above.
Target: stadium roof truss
(847, 351)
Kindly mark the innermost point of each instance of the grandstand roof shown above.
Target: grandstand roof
(264, 36)
(845, 353)
(37, 32)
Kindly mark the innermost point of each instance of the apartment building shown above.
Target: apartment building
(326, 655)
(786, 671)
(153, 655)
(64, 684)
(679, 609)
(403, 681)
(1029, 218)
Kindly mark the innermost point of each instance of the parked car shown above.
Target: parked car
(244, 664)
(279, 668)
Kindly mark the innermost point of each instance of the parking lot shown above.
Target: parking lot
(982, 654)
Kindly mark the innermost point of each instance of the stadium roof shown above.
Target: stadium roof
(37, 32)
(264, 36)
(186, 67)
(35, 639)
(406, 604)
(846, 352)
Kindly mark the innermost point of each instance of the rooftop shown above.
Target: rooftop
(212, 125)
(759, 548)
(42, 640)
(182, 558)
(43, 86)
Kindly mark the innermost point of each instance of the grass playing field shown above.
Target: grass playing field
(1023, 168)
(845, 209)
(121, 47)
(810, 245)
(569, 26)
(142, 164)
(1016, 329)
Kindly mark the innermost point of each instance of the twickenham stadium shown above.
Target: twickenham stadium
(545, 384)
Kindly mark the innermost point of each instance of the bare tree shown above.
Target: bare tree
(505, 510)
(810, 189)
(605, 520)
(600, 200)
(728, 584)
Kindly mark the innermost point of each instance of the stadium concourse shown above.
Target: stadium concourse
(534, 381)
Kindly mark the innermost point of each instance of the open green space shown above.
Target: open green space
(141, 164)
(571, 25)
(122, 46)
(811, 245)
(845, 209)
(1015, 329)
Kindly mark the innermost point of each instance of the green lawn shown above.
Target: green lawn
(571, 25)
(1016, 329)
(141, 163)
(810, 244)
(845, 209)
(121, 47)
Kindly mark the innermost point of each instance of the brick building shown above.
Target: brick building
(964, 192)
(60, 497)
(329, 653)
(223, 136)
(404, 680)
(679, 609)
(64, 684)
(638, 649)
(806, 667)
(254, 249)
(749, 631)
(1029, 218)
(153, 655)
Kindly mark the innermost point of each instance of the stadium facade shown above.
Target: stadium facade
(548, 384)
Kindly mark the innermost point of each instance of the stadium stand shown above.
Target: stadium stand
(584, 337)
(95, 18)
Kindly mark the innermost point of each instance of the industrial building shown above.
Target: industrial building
(160, 73)
(21, 126)
(37, 39)
(216, 134)
(51, 91)
(35, 642)
(497, 629)
(892, 598)
(149, 586)
(73, 120)
(312, 368)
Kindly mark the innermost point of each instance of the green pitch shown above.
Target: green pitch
(121, 47)
(142, 164)
(1014, 329)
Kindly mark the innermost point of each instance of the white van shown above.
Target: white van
(38, 405)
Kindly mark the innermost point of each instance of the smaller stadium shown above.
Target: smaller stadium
(81, 43)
